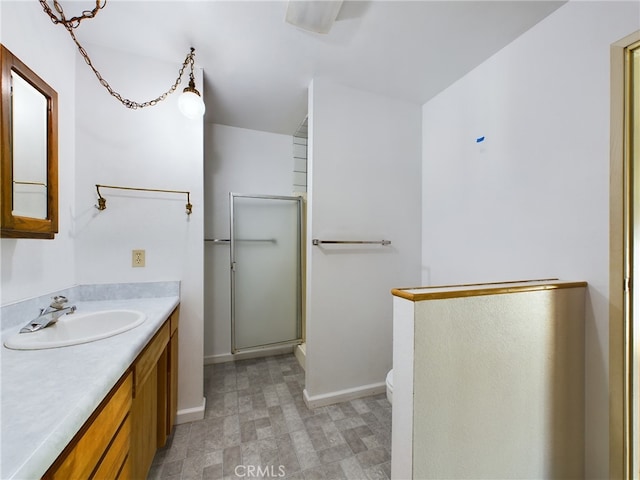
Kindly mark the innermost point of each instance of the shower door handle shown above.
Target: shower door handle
(233, 266)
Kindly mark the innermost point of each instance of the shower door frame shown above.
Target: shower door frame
(232, 255)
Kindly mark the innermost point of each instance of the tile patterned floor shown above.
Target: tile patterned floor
(257, 425)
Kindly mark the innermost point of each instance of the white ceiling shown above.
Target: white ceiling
(257, 67)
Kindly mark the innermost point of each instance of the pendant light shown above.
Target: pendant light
(190, 102)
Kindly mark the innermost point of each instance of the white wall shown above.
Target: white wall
(532, 200)
(364, 183)
(38, 267)
(155, 147)
(240, 161)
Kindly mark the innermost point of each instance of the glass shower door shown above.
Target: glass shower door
(266, 271)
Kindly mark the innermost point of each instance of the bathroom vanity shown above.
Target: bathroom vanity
(93, 410)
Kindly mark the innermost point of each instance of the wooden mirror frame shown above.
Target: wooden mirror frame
(14, 226)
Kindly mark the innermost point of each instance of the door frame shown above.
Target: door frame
(232, 258)
(623, 370)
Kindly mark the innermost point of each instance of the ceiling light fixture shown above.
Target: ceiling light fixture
(190, 102)
(190, 91)
(315, 16)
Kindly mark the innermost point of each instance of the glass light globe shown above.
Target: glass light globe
(190, 103)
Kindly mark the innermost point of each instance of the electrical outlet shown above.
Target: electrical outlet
(137, 258)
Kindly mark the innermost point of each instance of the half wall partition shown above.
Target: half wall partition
(489, 381)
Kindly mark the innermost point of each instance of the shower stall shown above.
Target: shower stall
(266, 271)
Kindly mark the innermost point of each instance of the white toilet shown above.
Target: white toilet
(390, 386)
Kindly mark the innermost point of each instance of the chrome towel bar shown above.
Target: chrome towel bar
(315, 241)
(228, 240)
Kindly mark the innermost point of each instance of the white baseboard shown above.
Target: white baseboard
(343, 395)
(255, 353)
(187, 415)
(222, 358)
(301, 355)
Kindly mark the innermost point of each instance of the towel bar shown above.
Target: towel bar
(315, 241)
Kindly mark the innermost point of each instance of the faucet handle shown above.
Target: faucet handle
(58, 301)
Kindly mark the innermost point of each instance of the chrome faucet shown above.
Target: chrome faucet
(48, 316)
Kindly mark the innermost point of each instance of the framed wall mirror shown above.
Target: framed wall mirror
(29, 152)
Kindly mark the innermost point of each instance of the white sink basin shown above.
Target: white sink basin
(78, 328)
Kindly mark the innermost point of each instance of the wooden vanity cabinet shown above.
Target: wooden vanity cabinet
(121, 437)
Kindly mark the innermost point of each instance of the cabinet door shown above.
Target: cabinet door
(168, 389)
(172, 407)
(163, 398)
(144, 410)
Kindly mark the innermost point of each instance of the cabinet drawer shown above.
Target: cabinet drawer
(148, 359)
(125, 473)
(115, 457)
(87, 448)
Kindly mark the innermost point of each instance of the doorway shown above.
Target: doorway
(624, 322)
(634, 253)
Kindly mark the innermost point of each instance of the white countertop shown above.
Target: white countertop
(47, 395)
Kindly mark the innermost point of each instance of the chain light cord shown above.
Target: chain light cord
(74, 22)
